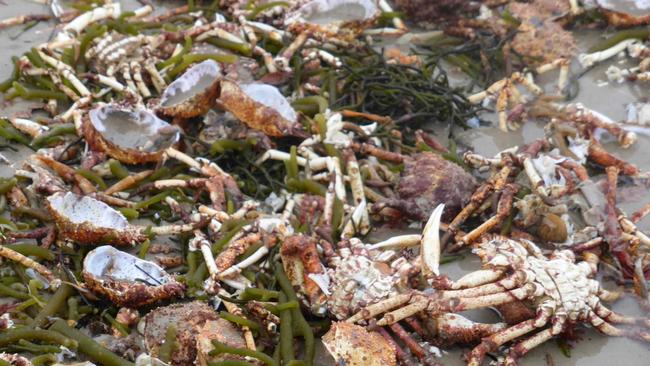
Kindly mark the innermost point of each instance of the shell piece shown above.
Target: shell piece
(429, 180)
(197, 325)
(127, 280)
(193, 93)
(340, 17)
(353, 345)
(223, 331)
(260, 106)
(300, 260)
(86, 220)
(129, 135)
(325, 12)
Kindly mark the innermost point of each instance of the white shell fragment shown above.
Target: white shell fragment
(106, 262)
(82, 209)
(325, 12)
(193, 82)
(133, 129)
(127, 280)
(271, 97)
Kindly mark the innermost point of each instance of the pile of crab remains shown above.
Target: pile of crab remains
(197, 196)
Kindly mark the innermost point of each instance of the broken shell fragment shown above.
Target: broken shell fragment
(197, 324)
(353, 345)
(260, 106)
(127, 280)
(333, 15)
(86, 220)
(131, 136)
(193, 93)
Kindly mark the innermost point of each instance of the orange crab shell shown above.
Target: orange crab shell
(300, 259)
(253, 113)
(199, 103)
(128, 156)
(197, 325)
(353, 345)
(88, 234)
(130, 294)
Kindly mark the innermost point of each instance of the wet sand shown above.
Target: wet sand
(593, 349)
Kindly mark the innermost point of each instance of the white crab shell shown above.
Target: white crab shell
(86, 220)
(129, 135)
(126, 279)
(334, 12)
(193, 93)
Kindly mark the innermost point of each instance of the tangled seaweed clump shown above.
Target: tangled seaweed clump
(200, 184)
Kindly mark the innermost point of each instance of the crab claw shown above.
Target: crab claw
(430, 249)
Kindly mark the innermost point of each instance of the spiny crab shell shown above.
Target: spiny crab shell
(193, 93)
(131, 136)
(127, 280)
(197, 324)
(429, 180)
(356, 277)
(260, 106)
(86, 220)
(330, 17)
(540, 38)
(353, 345)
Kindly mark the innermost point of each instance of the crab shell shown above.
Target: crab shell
(197, 324)
(353, 345)
(338, 18)
(86, 220)
(260, 106)
(127, 280)
(300, 260)
(147, 136)
(429, 180)
(193, 93)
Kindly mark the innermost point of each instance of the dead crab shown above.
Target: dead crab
(427, 181)
(561, 290)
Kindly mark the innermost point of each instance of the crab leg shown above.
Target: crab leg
(477, 278)
(420, 303)
(503, 210)
(235, 310)
(356, 186)
(454, 328)
(493, 342)
(127, 182)
(401, 241)
(29, 263)
(172, 229)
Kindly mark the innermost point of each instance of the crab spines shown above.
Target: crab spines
(430, 245)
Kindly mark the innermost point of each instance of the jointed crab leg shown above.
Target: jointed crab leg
(503, 210)
(29, 263)
(127, 182)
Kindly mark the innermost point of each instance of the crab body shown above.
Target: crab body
(561, 291)
(427, 181)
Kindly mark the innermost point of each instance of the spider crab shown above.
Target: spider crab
(561, 290)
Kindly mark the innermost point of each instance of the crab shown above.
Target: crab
(197, 325)
(561, 290)
(426, 181)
